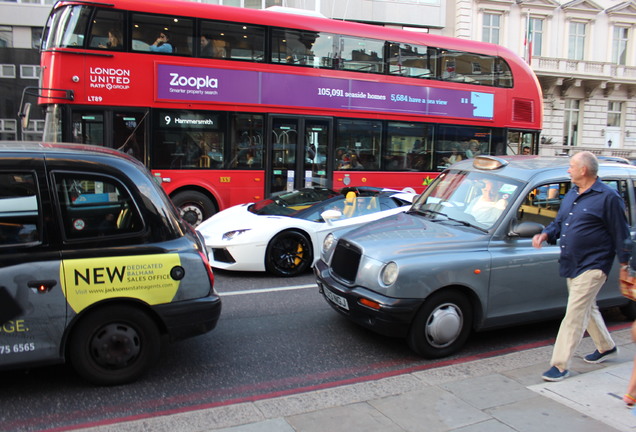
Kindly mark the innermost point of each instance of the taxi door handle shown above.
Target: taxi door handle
(42, 286)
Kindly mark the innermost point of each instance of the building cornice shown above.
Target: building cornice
(582, 7)
(625, 11)
(538, 5)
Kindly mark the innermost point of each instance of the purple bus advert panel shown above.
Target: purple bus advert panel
(200, 84)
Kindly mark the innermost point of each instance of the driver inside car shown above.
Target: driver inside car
(487, 207)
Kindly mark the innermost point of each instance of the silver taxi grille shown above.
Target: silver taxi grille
(345, 261)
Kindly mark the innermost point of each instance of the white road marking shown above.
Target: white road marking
(268, 290)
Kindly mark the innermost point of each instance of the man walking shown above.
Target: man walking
(592, 229)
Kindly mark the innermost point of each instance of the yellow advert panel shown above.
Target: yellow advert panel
(153, 279)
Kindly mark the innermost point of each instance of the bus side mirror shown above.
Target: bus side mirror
(25, 115)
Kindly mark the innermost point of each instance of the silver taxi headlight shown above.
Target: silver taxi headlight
(389, 274)
(327, 243)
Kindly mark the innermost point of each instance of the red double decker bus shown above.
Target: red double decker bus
(228, 105)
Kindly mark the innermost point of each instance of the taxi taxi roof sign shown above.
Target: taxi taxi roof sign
(486, 162)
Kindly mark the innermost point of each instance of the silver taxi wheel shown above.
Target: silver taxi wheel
(114, 345)
(442, 325)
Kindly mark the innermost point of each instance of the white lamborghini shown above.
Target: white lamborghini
(283, 234)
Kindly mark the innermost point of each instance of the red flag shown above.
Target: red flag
(527, 41)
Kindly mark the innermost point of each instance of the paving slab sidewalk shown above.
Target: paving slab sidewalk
(498, 394)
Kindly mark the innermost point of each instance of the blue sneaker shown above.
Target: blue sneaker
(554, 374)
(597, 357)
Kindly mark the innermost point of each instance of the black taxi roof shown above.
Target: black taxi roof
(50, 147)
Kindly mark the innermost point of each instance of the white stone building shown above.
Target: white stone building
(584, 55)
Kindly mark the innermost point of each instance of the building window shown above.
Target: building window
(571, 124)
(6, 37)
(7, 71)
(491, 27)
(8, 129)
(619, 45)
(576, 41)
(614, 114)
(36, 37)
(34, 131)
(29, 72)
(536, 36)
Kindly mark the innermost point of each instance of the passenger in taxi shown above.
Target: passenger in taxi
(487, 207)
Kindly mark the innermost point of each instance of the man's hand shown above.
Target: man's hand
(538, 239)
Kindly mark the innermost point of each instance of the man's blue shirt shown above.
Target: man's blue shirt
(592, 229)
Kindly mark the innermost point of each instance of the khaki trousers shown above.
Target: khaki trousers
(582, 314)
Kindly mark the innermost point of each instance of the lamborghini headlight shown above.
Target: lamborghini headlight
(231, 235)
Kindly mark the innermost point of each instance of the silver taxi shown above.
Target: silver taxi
(461, 259)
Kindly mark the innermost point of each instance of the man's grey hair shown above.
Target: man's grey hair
(589, 161)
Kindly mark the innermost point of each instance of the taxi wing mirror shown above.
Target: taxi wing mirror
(330, 215)
(524, 229)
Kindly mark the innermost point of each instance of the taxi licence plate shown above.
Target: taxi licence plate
(336, 299)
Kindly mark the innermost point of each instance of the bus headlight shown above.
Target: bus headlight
(327, 243)
(389, 274)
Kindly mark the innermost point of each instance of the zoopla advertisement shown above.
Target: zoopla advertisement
(199, 84)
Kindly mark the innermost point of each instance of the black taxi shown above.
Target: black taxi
(96, 265)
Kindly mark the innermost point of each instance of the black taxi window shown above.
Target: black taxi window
(95, 206)
(19, 209)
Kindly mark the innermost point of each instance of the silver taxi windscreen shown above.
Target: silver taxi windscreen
(469, 198)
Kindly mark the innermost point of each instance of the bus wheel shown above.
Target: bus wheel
(289, 253)
(194, 206)
(114, 345)
(442, 325)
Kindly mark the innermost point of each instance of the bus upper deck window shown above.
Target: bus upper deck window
(234, 41)
(159, 30)
(107, 30)
(503, 74)
(361, 54)
(68, 27)
(411, 60)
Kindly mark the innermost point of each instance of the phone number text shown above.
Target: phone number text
(17, 348)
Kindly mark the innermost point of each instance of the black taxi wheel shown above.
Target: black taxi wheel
(442, 325)
(194, 206)
(289, 253)
(114, 345)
